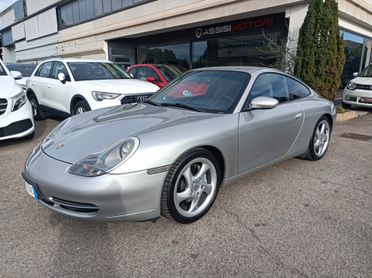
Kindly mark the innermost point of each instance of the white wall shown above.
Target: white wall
(7, 18)
(41, 25)
(18, 31)
(36, 50)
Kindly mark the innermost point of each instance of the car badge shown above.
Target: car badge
(60, 146)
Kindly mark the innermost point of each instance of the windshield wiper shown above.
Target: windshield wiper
(181, 105)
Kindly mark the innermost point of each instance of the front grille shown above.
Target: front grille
(135, 98)
(71, 206)
(16, 128)
(3, 105)
(364, 87)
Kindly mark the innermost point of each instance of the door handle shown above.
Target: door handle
(299, 115)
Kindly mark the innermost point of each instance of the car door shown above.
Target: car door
(266, 135)
(59, 93)
(39, 83)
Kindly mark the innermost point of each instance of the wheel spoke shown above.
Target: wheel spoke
(194, 203)
(183, 196)
(188, 177)
(208, 189)
(317, 143)
(322, 128)
(204, 169)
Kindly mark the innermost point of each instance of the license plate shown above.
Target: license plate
(365, 100)
(31, 190)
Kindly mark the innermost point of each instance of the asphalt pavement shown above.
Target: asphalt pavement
(295, 219)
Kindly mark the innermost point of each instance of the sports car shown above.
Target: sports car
(170, 155)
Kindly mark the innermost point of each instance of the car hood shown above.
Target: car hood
(120, 86)
(362, 80)
(9, 87)
(94, 131)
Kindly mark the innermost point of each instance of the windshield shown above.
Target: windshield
(169, 72)
(25, 69)
(206, 91)
(2, 70)
(367, 72)
(96, 71)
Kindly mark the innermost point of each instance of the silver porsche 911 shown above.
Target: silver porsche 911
(171, 154)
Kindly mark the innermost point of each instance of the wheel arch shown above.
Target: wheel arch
(329, 118)
(75, 99)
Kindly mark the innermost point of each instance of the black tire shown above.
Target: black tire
(36, 111)
(311, 153)
(346, 106)
(81, 107)
(168, 206)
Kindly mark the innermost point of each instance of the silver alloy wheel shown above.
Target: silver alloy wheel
(80, 110)
(321, 138)
(34, 107)
(195, 187)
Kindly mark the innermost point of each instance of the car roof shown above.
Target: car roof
(246, 69)
(75, 60)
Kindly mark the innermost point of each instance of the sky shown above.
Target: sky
(5, 4)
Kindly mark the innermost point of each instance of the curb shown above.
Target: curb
(349, 115)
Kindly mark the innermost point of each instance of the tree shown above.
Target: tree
(320, 51)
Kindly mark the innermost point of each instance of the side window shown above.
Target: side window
(296, 89)
(44, 70)
(270, 85)
(134, 72)
(145, 72)
(59, 67)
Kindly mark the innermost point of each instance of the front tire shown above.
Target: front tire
(36, 111)
(319, 142)
(191, 186)
(81, 107)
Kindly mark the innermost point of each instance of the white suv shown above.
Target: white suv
(74, 86)
(15, 111)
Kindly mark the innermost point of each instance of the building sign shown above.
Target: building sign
(259, 23)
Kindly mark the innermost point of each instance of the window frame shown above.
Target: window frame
(39, 69)
(246, 105)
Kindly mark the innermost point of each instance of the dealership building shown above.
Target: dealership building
(188, 33)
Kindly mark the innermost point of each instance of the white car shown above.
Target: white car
(358, 91)
(16, 118)
(73, 86)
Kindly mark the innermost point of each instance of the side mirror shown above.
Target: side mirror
(16, 74)
(264, 103)
(355, 74)
(62, 77)
(151, 79)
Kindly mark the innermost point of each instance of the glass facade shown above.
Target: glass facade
(78, 11)
(357, 54)
(240, 43)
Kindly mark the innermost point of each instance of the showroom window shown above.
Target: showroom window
(79, 11)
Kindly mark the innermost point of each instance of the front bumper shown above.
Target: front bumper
(355, 97)
(133, 196)
(16, 124)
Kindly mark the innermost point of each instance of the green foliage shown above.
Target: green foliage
(320, 53)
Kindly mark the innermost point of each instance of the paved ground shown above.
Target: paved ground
(295, 219)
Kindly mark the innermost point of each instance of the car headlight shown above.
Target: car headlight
(99, 96)
(18, 101)
(351, 86)
(98, 164)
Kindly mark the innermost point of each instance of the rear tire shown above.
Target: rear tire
(36, 111)
(191, 186)
(319, 141)
(81, 107)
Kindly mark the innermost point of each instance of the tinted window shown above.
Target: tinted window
(296, 89)
(25, 69)
(270, 85)
(44, 70)
(96, 71)
(2, 71)
(58, 68)
(367, 72)
(169, 72)
(207, 91)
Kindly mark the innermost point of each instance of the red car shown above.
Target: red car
(160, 75)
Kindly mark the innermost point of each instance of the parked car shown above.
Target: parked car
(72, 86)
(171, 154)
(160, 75)
(358, 91)
(16, 119)
(25, 69)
